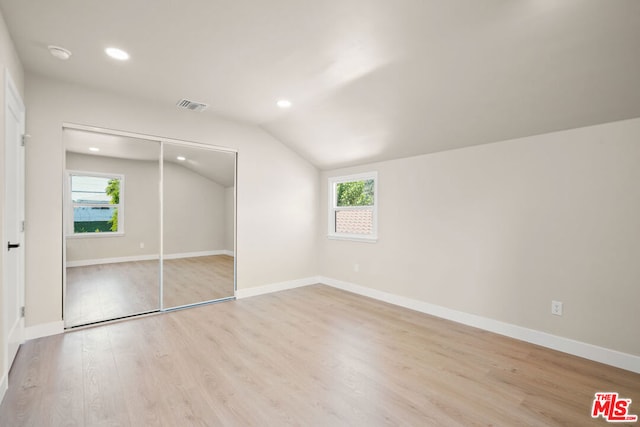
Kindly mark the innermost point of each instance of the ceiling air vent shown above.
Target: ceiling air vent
(185, 104)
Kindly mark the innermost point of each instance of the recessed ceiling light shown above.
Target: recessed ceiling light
(284, 103)
(94, 149)
(181, 158)
(59, 52)
(116, 53)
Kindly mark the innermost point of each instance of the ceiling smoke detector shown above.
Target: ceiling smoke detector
(59, 52)
(185, 104)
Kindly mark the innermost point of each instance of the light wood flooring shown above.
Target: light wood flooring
(312, 356)
(110, 291)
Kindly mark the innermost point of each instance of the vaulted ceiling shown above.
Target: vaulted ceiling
(368, 79)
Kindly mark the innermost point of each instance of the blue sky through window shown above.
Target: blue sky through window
(89, 189)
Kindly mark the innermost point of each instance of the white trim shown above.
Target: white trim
(352, 237)
(228, 252)
(161, 219)
(607, 356)
(15, 334)
(150, 257)
(4, 385)
(12, 338)
(195, 254)
(99, 261)
(235, 225)
(43, 330)
(100, 235)
(96, 129)
(276, 287)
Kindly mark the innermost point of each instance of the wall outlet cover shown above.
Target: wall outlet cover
(556, 308)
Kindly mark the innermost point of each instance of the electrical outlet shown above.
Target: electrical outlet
(141, 245)
(356, 267)
(556, 308)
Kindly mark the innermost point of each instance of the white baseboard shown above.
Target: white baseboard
(275, 287)
(151, 257)
(4, 385)
(196, 254)
(99, 261)
(607, 356)
(43, 330)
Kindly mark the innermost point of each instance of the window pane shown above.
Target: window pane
(358, 221)
(355, 193)
(95, 219)
(90, 189)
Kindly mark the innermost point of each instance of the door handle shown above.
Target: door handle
(12, 245)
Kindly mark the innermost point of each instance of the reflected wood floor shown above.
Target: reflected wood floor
(312, 356)
(191, 280)
(109, 291)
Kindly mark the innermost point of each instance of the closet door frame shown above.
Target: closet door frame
(162, 141)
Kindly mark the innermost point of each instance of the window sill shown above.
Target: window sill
(367, 239)
(92, 235)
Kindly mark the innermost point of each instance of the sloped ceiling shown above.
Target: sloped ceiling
(369, 80)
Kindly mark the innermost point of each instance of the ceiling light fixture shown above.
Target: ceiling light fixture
(283, 103)
(116, 53)
(94, 149)
(181, 158)
(59, 52)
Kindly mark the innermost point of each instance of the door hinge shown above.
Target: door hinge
(24, 140)
(22, 226)
(22, 311)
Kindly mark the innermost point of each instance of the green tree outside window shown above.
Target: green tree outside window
(355, 193)
(113, 190)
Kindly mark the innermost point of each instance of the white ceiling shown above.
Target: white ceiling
(369, 79)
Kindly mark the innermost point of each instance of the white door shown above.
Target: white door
(13, 243)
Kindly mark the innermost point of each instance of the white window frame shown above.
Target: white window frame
(332, 204)
(70, 205)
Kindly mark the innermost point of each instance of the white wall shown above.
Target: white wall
(499, 230)
(277, 190)
(9, 60)
(194, 212)
(9, 63)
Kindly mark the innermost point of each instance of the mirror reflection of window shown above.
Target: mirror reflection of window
(96, 203)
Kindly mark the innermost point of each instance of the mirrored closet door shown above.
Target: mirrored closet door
(112, 226)
(149, 225)
(198, 225)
